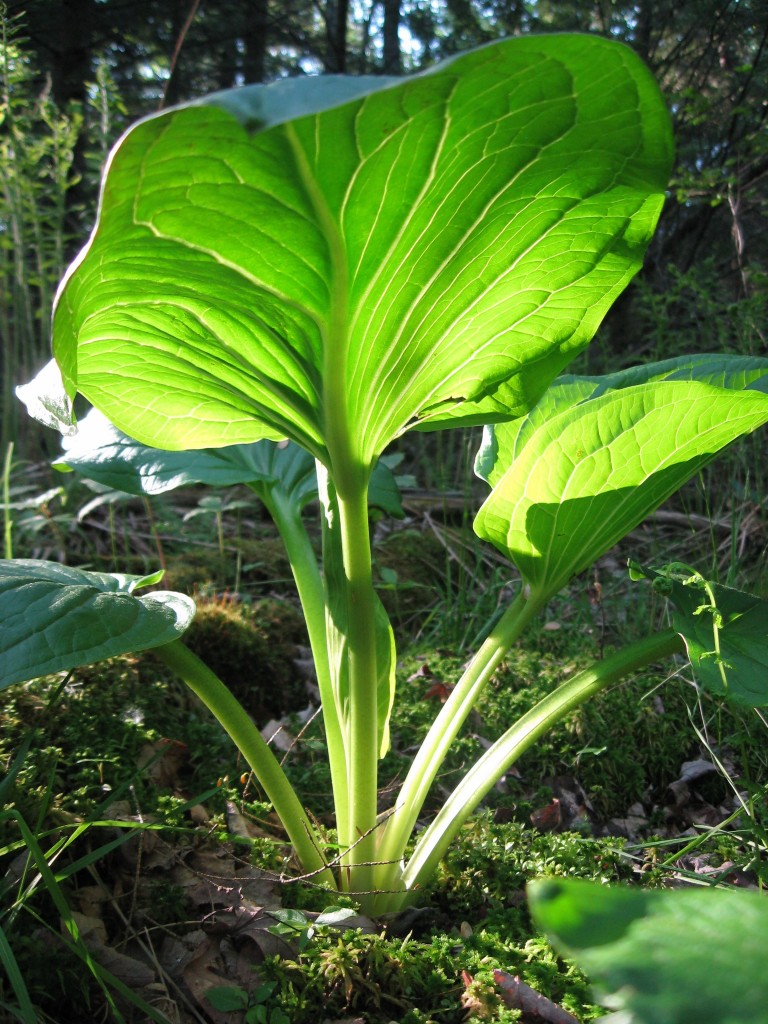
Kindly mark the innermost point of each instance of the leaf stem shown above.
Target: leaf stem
(443, 731)
(434, 841)
(363, 699)
(309, 584)
(237, 723)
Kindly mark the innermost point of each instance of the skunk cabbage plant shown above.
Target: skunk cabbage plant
(332, 262)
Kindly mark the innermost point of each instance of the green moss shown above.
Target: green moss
(428, 980)
(256, 664)
(201, 572)
(618, 744)
(485, 871)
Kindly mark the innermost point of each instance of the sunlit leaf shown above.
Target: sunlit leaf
(503, 442)
(56, 618)
(46, 399)
(101, 452)
(578, 480)
(336, 260)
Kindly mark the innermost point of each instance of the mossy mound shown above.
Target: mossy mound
(200, 572)
(255, 662)
(249, 566)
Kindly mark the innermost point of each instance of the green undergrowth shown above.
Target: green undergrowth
(125, 731)
(616, 745)
(101, 730)
(436, 962)
(93, 727)
(441, 977)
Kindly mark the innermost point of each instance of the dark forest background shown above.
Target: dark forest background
(75, 73)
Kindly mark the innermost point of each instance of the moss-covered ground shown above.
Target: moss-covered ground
(162, 846)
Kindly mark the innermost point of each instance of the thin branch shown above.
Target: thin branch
(177, 50)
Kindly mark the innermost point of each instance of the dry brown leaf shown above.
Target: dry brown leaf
(91, 900)
(201, 971)
(276, 734)
(548, 818)
(134, 973)
(422, 672)
(92, 930)
(211, 879)
(199, 815)
(163, 761)
(236, 823)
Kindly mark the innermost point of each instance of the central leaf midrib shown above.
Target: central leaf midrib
(334, 331)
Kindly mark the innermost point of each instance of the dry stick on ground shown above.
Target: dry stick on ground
(535, 1007)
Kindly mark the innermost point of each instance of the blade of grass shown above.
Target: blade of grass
(103, 978)
(7, 518)
(25, 1011)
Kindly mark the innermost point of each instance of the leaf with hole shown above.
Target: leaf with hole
(725, 632)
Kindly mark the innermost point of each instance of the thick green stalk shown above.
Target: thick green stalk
(309, 584)
(363, 687)
(434, 841)
(349, 479)
(246, 736)
(443, 732)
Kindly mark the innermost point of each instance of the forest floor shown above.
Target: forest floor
(163, 857)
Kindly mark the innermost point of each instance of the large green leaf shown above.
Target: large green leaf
(503, 442)
(336, 260)
(725, 632)
(671, 957)
(101, 452)
(579, 477)
(55, 618)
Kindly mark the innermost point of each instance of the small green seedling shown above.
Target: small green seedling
(334, 262)
(252, 1005)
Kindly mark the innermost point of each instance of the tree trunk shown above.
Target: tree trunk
(255, 40)
(392, 58)
(336, 34)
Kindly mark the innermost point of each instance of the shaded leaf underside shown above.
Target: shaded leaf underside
(56, 618)
(725, 632)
